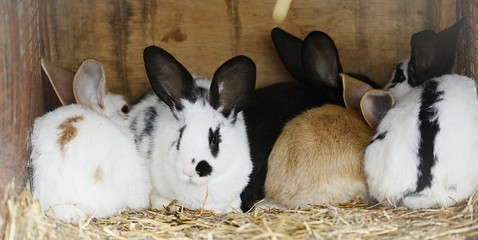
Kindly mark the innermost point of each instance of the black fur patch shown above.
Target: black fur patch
(180, 136)
(399, 76)
(149, 120)
(203, 169)
(429, 127)
(214, 141)
(132, 127)
(379, 136)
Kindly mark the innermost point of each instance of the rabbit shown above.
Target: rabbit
(84, 157)
(425, 151)
(318, 158)
(193, 134)
(271, 107)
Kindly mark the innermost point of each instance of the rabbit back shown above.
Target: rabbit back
(80, 160)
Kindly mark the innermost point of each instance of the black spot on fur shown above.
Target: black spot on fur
(133, 125)
(214, 141)
(429, 128)
(149, 120)
(180, 136)
(399, 76)
(203, 169)
(379, 136)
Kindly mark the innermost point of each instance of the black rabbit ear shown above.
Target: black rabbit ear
(233, 85)
(321, 63)
(289, 49)
(170, 80)
(449, 38)
(426, 60)
(433, 54)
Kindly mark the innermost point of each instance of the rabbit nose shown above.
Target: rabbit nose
(203, 169)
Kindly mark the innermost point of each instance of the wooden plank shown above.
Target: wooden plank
(467, 56)
(21, 95)
(197, 33)
(371, 36)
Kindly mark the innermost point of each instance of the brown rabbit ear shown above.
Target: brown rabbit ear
(89, 84)
(62, 81)
(353, 91)
(375, 105)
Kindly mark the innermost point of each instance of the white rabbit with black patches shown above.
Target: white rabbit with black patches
(84, 158)
(425, 151)
(194, 134)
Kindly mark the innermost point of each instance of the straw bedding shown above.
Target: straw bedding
(21, 218)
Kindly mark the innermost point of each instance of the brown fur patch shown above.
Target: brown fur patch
(318, 158)
(68, 131)
(98, 176)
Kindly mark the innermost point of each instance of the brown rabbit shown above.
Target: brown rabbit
(318, 158)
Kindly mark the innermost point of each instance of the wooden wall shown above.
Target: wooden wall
(21, 95)
(371, 35)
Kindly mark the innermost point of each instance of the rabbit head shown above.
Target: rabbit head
(205, 138)
(432, 55)
(86, 87)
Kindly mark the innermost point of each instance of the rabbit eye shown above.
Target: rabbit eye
(125, 109)
(214, 140)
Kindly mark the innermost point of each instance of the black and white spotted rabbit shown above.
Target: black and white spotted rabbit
(425, 150)
(192, 132)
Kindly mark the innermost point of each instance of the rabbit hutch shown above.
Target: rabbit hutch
(371, 37)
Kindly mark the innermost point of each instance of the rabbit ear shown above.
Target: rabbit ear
(62, 81)
(449, 39)
(233, 84)
(433, 54)
(170, 80)
(427, 57)
(321, 63)
(89, 84)
(375, 105)
(289, 49)
(353, 91)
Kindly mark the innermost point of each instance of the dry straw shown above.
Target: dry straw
(22, 218)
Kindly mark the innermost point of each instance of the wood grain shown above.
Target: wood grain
(371, 36)
(21, 95)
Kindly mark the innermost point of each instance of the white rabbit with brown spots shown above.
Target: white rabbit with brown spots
(84, 158)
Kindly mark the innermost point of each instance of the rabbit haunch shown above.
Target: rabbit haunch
(193, 133)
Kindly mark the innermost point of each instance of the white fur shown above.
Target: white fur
(64, 182)
(391, 164)
(173, 172)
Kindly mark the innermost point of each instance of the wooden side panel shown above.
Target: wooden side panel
(372, 35)
(21, 95)
(467, 57)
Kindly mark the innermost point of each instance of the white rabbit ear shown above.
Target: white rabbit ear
(62, 81)
(353, 91)
(233, 84)
(170, 80)
(375, 104)
(89, 85)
